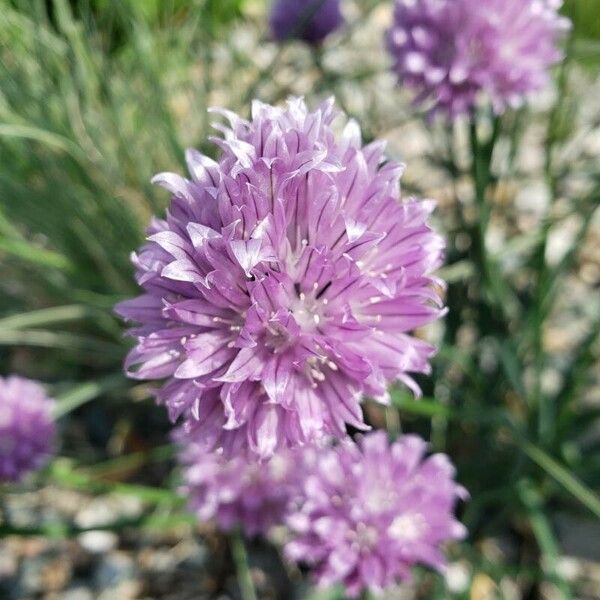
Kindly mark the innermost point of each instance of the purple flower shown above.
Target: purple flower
(372, 511)
(309, 20)
(450, 51)
(283, 284)
(240, 491)
(26, 427)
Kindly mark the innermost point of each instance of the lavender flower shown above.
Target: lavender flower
(240, 491)
(450, 51)
(372, 511)
(26, 427)
(308, 20)
(283, 283)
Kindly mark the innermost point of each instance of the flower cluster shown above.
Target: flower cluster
(239, 491)
(450, 51)
(311, 20)
(284, 283)
(372, 511)
(26, 427)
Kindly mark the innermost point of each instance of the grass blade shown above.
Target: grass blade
(59, 340)
(244, 576)
(45, 316)
(542, 530)
(62, 472)
(85, 392)
(562, 475)
(38, 256)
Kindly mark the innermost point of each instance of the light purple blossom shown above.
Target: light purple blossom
(284, 283)
(240, 491)
(372, 511)
(26, 427)
(451, 51)
(309, 20)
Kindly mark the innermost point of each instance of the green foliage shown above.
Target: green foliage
(585, 15)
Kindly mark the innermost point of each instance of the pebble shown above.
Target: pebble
(113, 570)
(98, 542)
(76, 592)
(46, 572)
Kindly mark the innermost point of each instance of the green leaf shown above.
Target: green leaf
(512, 366)
(48, 138)
(35, 255)
(85, 392)
(63, 472)
(45, 316)
(60, 529)
(428, 407)
(542, 530)
(425, 407)
(240, 558)
(459, 271)
(59, 340)
(134, 460)
(563, 476)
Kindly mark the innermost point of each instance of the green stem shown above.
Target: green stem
(545, 405)
(240, 557)
(481, 173)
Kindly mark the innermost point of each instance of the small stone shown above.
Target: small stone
(30, 577)
(8, 564)
(98, 542)
(56, 574)
(458, 577)
(78, 592)
(113, 570)
(106, 509)
(127, 590)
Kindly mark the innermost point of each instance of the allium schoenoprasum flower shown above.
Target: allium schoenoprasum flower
(308, 20)
(284, 283)
(240, 491)
(451, 52)
(26, 427)
(371, 511)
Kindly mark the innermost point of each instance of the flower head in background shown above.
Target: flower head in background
(239, 491)
(451, 51)
(26, 427)
(284, 283)
(372, 511)
(308, 20)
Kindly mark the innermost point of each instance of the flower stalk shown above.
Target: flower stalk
(240, 558)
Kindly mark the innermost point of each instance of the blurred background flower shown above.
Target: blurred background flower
(26, 427)
(310, 20)
(453, 51)
(372, 511)
(240, 492)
